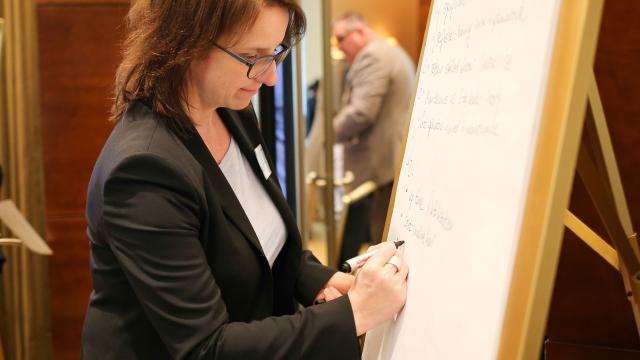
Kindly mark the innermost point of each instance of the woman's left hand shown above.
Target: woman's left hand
(338, 285)
(341, 281)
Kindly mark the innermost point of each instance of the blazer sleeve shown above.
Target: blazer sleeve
(369, 83)
(151, 220)
(312, 277)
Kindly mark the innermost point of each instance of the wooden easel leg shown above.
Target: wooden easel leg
(595, 242)
(598, 170)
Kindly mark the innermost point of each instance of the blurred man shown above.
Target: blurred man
(375, 103)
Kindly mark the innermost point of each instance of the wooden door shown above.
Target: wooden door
(78, 54)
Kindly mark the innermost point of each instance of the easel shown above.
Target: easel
(571, 104)
(26, 236)
(598, 170)
(2, 357)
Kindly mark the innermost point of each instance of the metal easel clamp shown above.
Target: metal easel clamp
(360, 192)
(7, 241)
(321, 181)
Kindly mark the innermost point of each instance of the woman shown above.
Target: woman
(194, 253)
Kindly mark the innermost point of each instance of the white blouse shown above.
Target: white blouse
(260, 209)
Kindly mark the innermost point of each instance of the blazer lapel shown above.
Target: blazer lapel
(230, 204)
(247, 145)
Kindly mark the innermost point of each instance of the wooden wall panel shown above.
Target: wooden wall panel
(78, 57)
(78, 54)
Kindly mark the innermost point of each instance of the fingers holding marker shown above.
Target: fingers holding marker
(381, 256)
(403, 269)
(359, 261)
(374, 247)
(380, 288)
(395, 262)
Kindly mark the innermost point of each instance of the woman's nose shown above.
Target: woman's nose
(270, 77)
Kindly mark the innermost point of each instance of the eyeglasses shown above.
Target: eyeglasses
(341, 38)
(261, 64)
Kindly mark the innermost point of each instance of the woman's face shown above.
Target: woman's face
(219, 80)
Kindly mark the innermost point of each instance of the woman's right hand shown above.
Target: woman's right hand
(380, 289)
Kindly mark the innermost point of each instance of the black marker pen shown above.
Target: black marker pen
(356, 263)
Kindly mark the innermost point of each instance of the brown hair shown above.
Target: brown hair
(165, 36)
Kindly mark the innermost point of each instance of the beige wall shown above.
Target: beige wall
(389, 18)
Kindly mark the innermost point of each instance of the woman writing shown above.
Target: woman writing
(194, 252)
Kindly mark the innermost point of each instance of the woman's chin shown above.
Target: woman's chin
(239, 103)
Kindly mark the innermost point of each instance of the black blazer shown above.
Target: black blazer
(178, 271)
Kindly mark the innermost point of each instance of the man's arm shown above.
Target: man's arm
(370, 82)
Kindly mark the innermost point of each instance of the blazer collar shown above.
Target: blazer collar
(228, 200)
(225, 195)
(248, 141)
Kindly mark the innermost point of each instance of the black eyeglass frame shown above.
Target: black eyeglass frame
(277, 58)
(343, 37)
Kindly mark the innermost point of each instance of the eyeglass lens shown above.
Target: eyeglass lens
(263, 64)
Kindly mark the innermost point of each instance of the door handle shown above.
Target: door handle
(321, 181)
